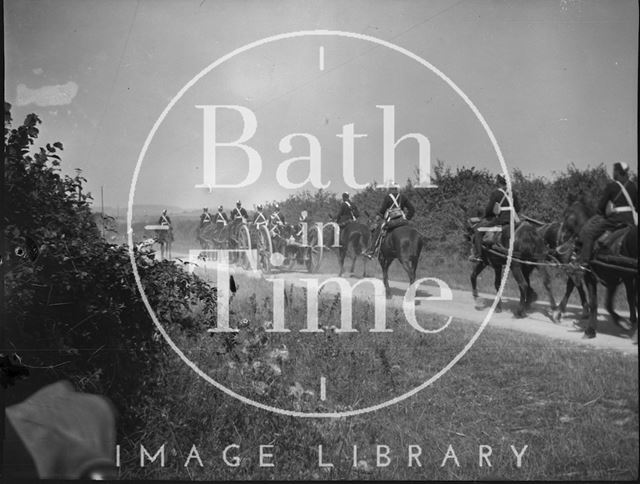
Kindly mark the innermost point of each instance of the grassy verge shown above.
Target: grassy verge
(576, 409)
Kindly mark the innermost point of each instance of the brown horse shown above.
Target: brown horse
(529, 252)
(560, 240)
(404, 243)
(354, 239)
(610, 269)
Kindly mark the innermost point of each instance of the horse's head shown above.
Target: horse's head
(575, 216)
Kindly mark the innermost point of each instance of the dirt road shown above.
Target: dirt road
(463, 307)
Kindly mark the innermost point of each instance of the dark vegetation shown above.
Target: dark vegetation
(72, 309)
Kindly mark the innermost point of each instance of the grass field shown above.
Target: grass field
(575, 408)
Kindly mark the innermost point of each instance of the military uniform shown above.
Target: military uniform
(166, 220)
(205, 218)
(348, 213)
(239, 214)
(260, 219)
(221, 218)
(614, 211)
(395, 206)
(498, 202)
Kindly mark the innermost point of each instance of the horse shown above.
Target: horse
(560, 239)
(213, 236)
(528, 247)
(164, 238)
(610, 271)
(354, 238)
(404, 243)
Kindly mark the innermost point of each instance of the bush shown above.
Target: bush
(72, 303)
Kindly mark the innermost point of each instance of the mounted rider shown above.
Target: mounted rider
(496, 214)
(221, 218)
(348, 212)
(276, 220)
(165, 220)
(205, 217)
(395, 207)
(260, 218)
(239, 214)
(618, 207)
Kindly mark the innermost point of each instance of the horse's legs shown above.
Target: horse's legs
(546, 282)
(583, 298)
(565, 299)
(497, 280)
(478, 268)
(629, 285)
(385, 263)
(342, 253)
(611, 292)
(530, 296)
(364, 266)
(592, 289)
(516, 270)
(408, 265)
(353, 260)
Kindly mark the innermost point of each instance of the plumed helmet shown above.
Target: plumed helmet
(345, 195)
(259, 207)
(501, 180)
(220, 208)
(276, 207)
(238, 202)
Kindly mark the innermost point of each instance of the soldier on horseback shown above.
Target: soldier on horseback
(238, 216)
(221, 218)
(166, 221)
(618, 207)
(497, 214)
(276, 219)
(348, 212)
(260, 218)
(392, 210)
(205, 217)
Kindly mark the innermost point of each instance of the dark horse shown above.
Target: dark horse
(559, 239)
(528, 246)
(213, 236)
(404, 243)
(354, 238)
(611, 269)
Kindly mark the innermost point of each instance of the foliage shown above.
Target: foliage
(71, 293)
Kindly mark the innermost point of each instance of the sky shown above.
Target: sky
(556, 82)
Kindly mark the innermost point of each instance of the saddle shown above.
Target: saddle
(395, 223)
(610, 242)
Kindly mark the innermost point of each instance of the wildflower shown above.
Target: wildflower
(276, 369)
(296, 390)
(280, 354)
(260, 387)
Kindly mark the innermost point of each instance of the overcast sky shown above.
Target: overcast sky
(555, 80)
